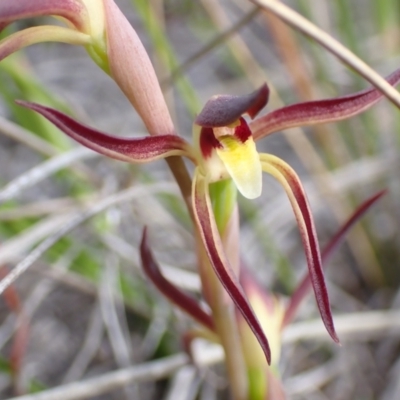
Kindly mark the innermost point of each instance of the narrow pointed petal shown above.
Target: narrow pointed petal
(72, 10)
(131, 68)
(305, 284)
(320, 111)
(133, 150)
(212, 242)
(177, 297)
(294, 190)
(223, 110)
(39, 34)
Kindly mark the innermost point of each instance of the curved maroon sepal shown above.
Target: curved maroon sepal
(305, 284)
(212, 243)
(72, 10)
(317, 112)
(133, 150)
(177, 297)
(223, 110)
(292, 185)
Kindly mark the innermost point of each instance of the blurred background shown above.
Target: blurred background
(84, 308)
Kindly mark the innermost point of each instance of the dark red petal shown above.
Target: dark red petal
(208, 142)
(242, 131)
(305, 284)
(292, 185)
(72, 10)
(133, 150)
(177, 297)
(212, 243)
(223, 110)
(320, 111)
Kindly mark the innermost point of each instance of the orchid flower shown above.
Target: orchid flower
(226, 161)
(224, 149)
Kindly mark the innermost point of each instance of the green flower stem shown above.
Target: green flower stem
(223, 196)
(99, 55)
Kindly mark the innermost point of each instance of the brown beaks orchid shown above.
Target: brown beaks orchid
(224, 148)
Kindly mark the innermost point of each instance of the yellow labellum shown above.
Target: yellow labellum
(242, 162)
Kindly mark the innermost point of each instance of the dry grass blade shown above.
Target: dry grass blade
(40, 208)
(12, 249)
(113, 320)
(308, 381)
(182, 278)
(185, 384)
(238, 47)
(89, 347)
(155, 331)
(332, 45)
(362, 172)
(217, 41)
(362, 325)
(78, 219)
(27, 138)
(205, 355)
(103, 384)
(43, 171)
